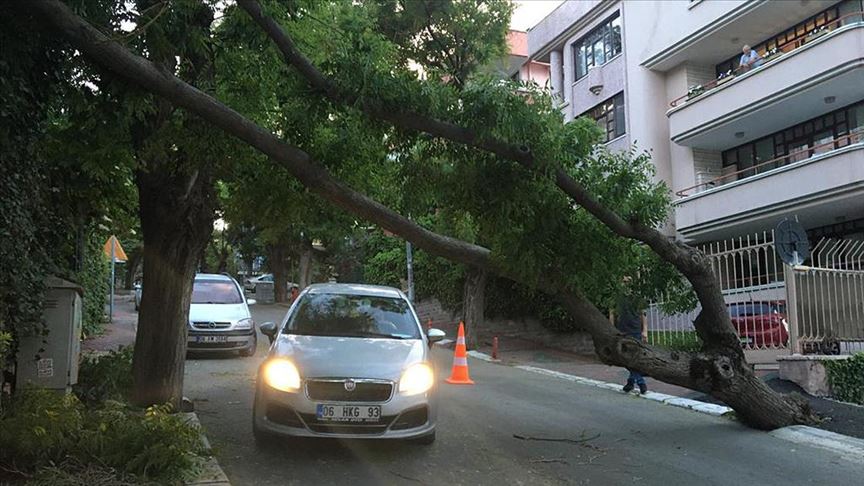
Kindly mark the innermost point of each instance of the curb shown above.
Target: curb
(211, 473)
(849, 448)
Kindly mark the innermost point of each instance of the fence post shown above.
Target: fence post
(791, 307)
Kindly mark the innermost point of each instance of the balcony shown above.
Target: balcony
(819, 185)
(719, 114)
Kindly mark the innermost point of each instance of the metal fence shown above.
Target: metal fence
(829, 298)
(821, 311)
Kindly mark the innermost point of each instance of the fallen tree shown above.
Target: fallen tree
(718, 368)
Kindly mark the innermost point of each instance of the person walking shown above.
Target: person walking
(631, 321)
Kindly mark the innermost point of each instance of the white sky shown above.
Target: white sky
(529, 12)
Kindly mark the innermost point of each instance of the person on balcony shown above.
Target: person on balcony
(750, 59)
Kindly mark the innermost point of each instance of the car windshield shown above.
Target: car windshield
(215, 292)
(353, 316)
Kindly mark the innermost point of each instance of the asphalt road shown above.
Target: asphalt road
(629, 441)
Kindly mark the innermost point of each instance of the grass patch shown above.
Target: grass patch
(675, 340)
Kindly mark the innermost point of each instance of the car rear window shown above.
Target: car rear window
(353, 316)
(215, 292)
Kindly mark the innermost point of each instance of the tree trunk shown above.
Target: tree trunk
(473, 305)
(132, 265)
(176, 227)
(278, 260)
(305, 277)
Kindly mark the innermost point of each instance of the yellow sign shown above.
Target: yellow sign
(119, 254)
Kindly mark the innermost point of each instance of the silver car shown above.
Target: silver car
(348, 361)
(219, 318)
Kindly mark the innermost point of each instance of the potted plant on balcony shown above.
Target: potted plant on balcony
(772, 54)
(724, 77)
(695, 91)
(818, 32)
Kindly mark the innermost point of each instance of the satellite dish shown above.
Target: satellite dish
(791, 243)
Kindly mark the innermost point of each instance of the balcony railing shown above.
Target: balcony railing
(769, 57)
(857, 136)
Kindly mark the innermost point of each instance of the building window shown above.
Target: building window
(800, 142)
(787, 40)
(599, 46)
(609, 116)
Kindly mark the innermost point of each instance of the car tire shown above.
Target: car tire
(426, 440)
(250, 351)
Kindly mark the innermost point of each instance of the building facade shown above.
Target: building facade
(740, 148)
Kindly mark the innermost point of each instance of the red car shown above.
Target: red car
(760, 323)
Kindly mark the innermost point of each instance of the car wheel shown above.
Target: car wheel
(250, 351)
(427, 439)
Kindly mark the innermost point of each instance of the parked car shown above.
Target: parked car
(348, 361)
(760, 323)
(249, 284)
(137, 297)
(219, 317)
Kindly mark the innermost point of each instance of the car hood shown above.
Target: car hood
(217, 312)
(336, 357)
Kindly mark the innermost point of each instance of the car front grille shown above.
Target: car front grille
(335, 390)
(210, 325)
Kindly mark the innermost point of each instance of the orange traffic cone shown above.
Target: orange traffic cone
(459, 375)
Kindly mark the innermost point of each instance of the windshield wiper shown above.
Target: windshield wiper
(381, 335)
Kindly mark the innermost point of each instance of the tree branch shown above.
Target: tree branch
(687, 260)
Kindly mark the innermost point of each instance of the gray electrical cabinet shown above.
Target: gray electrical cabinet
(51, 361)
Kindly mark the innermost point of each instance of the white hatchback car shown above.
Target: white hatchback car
(219, 317)
(348, 361)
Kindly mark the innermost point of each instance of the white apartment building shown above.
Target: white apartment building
(739, 149)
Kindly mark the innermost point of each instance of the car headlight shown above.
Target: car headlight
(282, 375)
(417, 379)
(244, 324)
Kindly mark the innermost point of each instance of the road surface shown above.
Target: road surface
(625, 440)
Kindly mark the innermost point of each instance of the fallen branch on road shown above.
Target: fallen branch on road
(543, 460)
(547, 439)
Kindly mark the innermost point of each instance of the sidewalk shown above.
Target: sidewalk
(842, 418)
(119, 332)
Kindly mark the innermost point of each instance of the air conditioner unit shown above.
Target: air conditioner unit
(51, 360)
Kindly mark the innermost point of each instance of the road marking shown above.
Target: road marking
(850, 448)
(695, 405)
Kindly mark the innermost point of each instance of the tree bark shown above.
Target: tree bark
(176, 230)
(473, 305)
(279, 262)
(720, 370)
(305, 264)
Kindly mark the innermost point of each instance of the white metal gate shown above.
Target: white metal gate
(821, 311)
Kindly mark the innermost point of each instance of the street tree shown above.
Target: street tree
(490, 127)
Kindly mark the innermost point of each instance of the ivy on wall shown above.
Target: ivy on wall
(847, 378)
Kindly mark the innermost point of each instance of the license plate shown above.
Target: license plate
(348, 413)
(212, 339)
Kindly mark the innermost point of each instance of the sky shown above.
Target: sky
(529, 12)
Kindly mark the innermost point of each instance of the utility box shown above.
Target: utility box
(51, 361)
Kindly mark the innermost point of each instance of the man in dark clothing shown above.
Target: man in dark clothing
(630, 321)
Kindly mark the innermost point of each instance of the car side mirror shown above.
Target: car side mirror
(251, 301)
(435, 335)
(268, 329)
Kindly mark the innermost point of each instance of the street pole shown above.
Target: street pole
(410, 259)
(111, 296)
